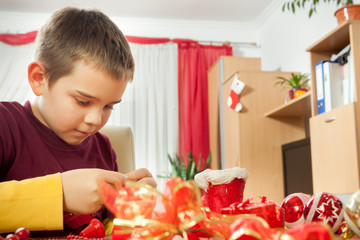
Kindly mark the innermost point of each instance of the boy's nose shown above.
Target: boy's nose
(93, 117)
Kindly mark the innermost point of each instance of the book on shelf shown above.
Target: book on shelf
(333, 85)
(351, 79)
(344, 59)
(320, 87)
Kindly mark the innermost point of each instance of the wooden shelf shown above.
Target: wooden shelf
(297, 107)
(335, 41)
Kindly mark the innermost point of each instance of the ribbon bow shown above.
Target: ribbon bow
(142, 212)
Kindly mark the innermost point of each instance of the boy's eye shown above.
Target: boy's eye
(82, 102)
(111, 107)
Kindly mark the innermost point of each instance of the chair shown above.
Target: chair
(122, 141)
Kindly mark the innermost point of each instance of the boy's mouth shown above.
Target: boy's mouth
(83, 134)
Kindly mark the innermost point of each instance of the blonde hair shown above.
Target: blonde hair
(73, 35)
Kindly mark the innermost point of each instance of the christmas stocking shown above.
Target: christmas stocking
(233, 100)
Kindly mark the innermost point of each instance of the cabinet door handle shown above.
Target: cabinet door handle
(330, 119)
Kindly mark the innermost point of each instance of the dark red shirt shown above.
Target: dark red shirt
(30, 149)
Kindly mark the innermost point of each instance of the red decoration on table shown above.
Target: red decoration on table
(220, 188)
(71, 236)
(127, 202)
(95, 229)
(178, 209)
(74, 221)
(294, 206)
(325, 207)
(219, 196)
(255, 228)
(23, 233)
(307, 231)
(270, 211)
(249, 228)
(12, 237)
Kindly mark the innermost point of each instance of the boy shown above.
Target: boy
(51, 146)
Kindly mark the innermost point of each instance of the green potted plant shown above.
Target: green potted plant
(179, 168)
(346, 6)
(297, 82)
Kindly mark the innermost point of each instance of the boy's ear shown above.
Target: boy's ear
(36, 77)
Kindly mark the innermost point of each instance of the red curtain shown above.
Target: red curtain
(18, 39)
(194, 60)
(212, 53)
(144, 40)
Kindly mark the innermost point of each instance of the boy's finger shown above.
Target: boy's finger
(139, 174)
(150, 181)
(114, 177)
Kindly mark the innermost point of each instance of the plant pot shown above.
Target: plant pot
(349, 12)
(297, 92)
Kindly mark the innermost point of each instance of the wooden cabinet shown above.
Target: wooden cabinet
(335, 135)
(253, 141)
(252, 138)
(221, 70)
(334, 154)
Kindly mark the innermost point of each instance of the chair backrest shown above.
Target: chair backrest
(122, 141)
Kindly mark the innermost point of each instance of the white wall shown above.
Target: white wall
(284, 37)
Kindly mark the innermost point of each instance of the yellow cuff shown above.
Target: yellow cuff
(35, 203)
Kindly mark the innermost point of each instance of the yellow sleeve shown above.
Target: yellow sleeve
(35, 203)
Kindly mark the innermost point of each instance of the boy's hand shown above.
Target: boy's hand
(80, 188)
(142, 175)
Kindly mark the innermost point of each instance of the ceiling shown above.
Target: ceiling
(245, 11)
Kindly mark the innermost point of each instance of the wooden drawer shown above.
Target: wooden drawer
(334, 151)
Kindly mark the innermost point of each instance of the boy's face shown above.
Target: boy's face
(78, 104)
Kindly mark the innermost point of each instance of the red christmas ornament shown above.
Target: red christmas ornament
(233, 100)
(325, 207)
(94, 230)
(12, 237)
(23, 233)
(294, 206)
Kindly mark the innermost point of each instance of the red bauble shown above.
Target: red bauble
(22, 233)
(294, 206)
(325, 207)
(12, 237)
